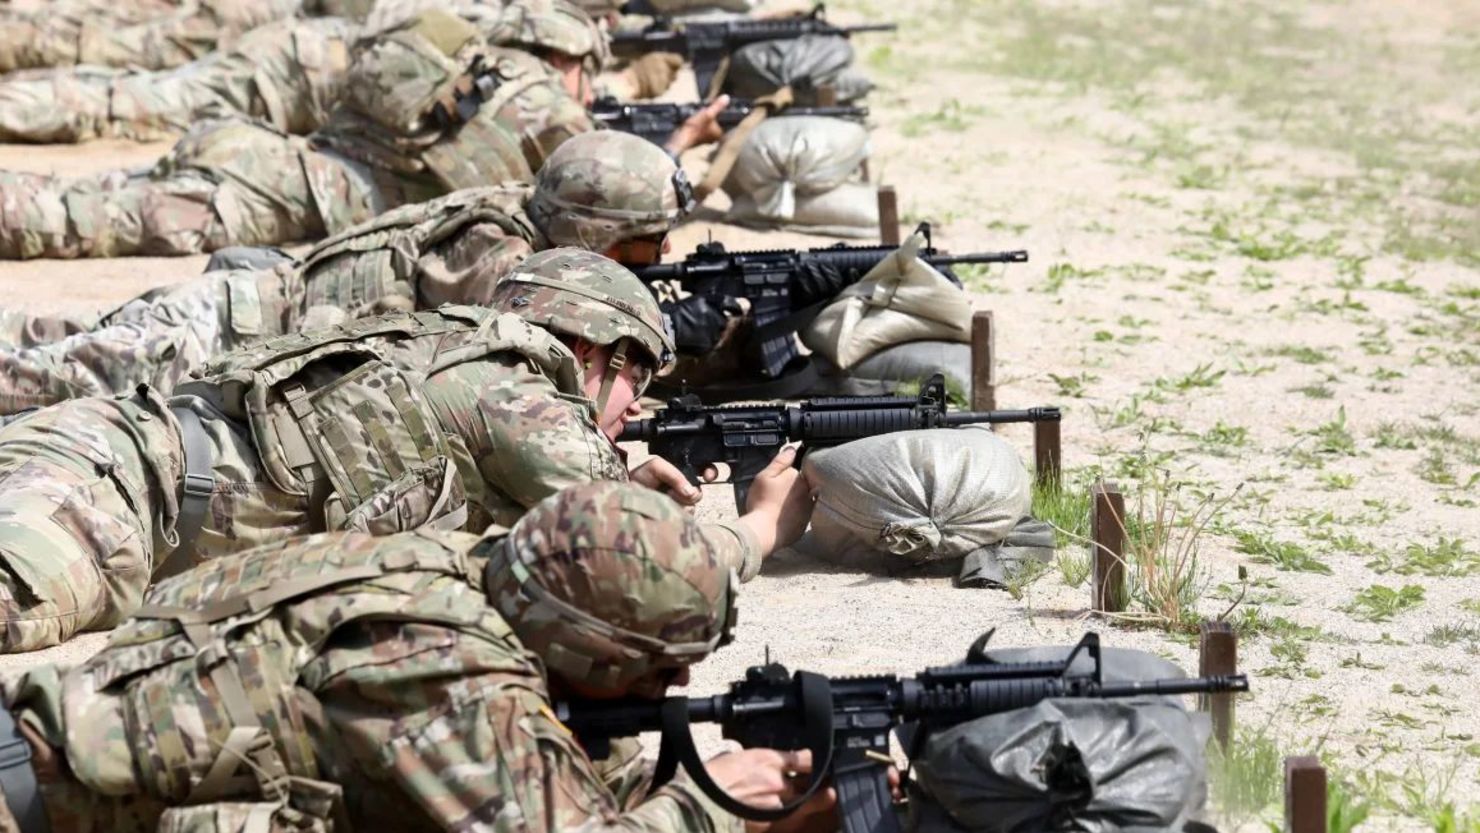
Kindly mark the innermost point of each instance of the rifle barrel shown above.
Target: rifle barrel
(1049, 414)
(1206, 685)
(1015, 256)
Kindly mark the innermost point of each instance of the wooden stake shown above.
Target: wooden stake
(1108, 526)
(888, 216)
(1217, 655)
(983, 362)
(1305, 795)
(1046, 452)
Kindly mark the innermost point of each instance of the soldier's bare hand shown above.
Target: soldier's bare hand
(761, 777)
(662, 476)
(701, 128)
(779, 504)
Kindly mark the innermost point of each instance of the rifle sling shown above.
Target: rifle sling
(815, 694)
(729, 151)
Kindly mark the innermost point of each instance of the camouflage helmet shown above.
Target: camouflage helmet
(603, 187)
(555, 25)
(580, 294)
(609, 582)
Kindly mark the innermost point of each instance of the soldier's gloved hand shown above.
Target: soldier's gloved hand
(817, 281)
(651, 75)
(699, 321)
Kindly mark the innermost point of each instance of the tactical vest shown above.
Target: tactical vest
(503, 111)
(338, 417)
(202, 694)
(375, 265)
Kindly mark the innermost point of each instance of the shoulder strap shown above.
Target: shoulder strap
(200, 484)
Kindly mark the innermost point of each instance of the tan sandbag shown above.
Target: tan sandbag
(902, 299)
(803, 171)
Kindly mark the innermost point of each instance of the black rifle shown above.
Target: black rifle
(707, 44)
(656, 122)
(692, 436)
(846, 722)
(766, 278)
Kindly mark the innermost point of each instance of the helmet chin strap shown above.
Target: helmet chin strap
(613, 370)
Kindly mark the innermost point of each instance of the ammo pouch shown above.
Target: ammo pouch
(364, 431)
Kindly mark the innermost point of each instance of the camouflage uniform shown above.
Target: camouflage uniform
(150, 34)
(458, 417)
(597, 189)
(287, 73)
(362, 680)
(239, 182)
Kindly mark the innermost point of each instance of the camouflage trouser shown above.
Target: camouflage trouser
(89, 497)
(288, 73)
(227, 183)
(156, 339)
(19, 330)
(153, 35)
(80, 487)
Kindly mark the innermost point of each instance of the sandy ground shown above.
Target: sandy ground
(1256, 267)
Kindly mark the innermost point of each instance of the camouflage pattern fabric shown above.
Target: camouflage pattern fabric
(20, 329)
(583, 295)
(667, 585)
(497, 422)
(287, 73)
(87, 486)
(154, 34)
(230, 182)
(156, 339)
(602, 188)
(451, 250)
(237, 182)
(380, 667)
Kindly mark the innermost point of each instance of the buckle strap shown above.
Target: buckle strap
(18, 778)
(199, 484)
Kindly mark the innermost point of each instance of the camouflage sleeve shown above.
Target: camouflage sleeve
(527, 440)
(465, 268)
(737, 546)
(483, 750)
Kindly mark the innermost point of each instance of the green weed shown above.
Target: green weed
(1300, 353)
(1333, 482)
(1394, 435)
(1073, 386)
(1061, 273)
(1283, 555)
(1379, 603)
(1246, 777)
(951, 117)
(1333, 437)
(1315, 391)
(1447, 558)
